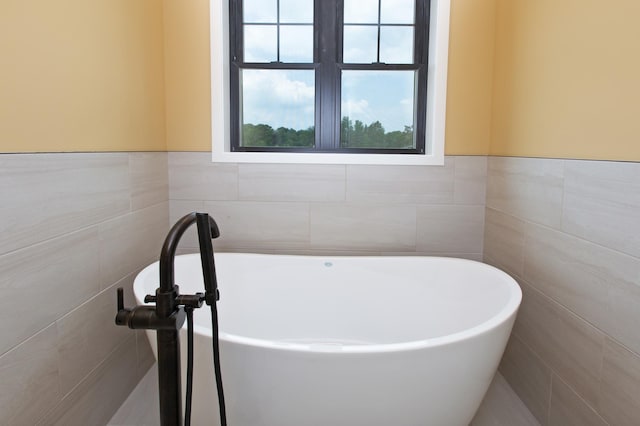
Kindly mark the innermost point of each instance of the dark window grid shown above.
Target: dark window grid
(277, 25)
(328, 78)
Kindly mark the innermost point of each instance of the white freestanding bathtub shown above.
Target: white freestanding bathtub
(346, 341)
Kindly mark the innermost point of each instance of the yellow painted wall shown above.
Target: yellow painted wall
(469, 90)
(567, 79)
(81, 75)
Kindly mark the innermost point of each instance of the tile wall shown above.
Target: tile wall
(335, 209)
(74, 228)
(569, 231)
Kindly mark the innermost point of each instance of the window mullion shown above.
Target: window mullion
(327, 78)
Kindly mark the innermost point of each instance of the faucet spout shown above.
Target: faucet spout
(168, 253)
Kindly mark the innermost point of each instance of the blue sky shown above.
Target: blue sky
(286, 98)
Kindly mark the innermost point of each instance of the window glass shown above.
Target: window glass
(296, 43)
(378, 118)
(296, 11)
(396, 45)
(260, 11)
(397, 11)
(277, 108)
(361, 11)
(260, 43)
(360, 44)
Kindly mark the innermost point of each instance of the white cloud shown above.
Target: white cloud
(279, 98)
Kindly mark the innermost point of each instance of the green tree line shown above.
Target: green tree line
(354, 134)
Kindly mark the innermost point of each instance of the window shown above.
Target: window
(338, 81)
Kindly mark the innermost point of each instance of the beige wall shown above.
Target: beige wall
(81, 75)
(470, 76)
(566, 79)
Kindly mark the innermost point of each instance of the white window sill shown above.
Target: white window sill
(315, 158)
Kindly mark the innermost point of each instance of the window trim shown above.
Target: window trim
(436, 100)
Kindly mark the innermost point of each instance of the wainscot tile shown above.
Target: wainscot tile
(577, 274)
(193, 176)
(363, 227)
(470, 180)
(29, 377)
(569, 345)
(602, 203)
(130, 242)
(504, 241)
(55, 277)
(66, 192)
(291, 182)
(87, 335)
(97, 398)
(149, 179)
(450, 228)
(530, 189)
(568, 409)
(529, 377)
(253, 224)
(401, 184)
(620, 389)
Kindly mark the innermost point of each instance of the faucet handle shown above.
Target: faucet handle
(149, 298)
(120, 291)
(123, 314)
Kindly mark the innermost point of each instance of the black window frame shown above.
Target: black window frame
(328, 25)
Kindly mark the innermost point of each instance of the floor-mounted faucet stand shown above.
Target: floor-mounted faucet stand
(168, 315)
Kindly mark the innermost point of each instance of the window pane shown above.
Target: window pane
(396, 45)
(296, 43)
(260, 11)
(260, 43)
(296, 11)
(360, 45)
(378, 109)
(361, 11)
(397, 11)
(277, 108)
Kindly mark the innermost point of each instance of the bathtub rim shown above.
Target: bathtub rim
(505, 315)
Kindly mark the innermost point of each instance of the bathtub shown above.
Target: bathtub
(346, 341)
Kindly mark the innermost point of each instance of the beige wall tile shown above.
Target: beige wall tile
(373, 227)
(48, 195)
(253, 224)
(401, 184)
(53, 277)
(99, 395)
(29, 379)
(577, 274)
(529, 377)
(568, 409)
(450, 228)
(192, 176)
(88, 334)
(620, 394)
(602, 203)
(291, 182)
(504, 241)
(470, 180)
(530, 189)
(623, 314)
(130, 242)
(569, 345)
(149, 179)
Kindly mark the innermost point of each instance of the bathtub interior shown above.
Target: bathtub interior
(320, 303)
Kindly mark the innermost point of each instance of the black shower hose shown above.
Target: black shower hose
(216, 365)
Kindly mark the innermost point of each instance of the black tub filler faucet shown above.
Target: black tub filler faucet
(168, 314)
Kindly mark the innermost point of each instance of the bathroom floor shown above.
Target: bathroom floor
(501, 406)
